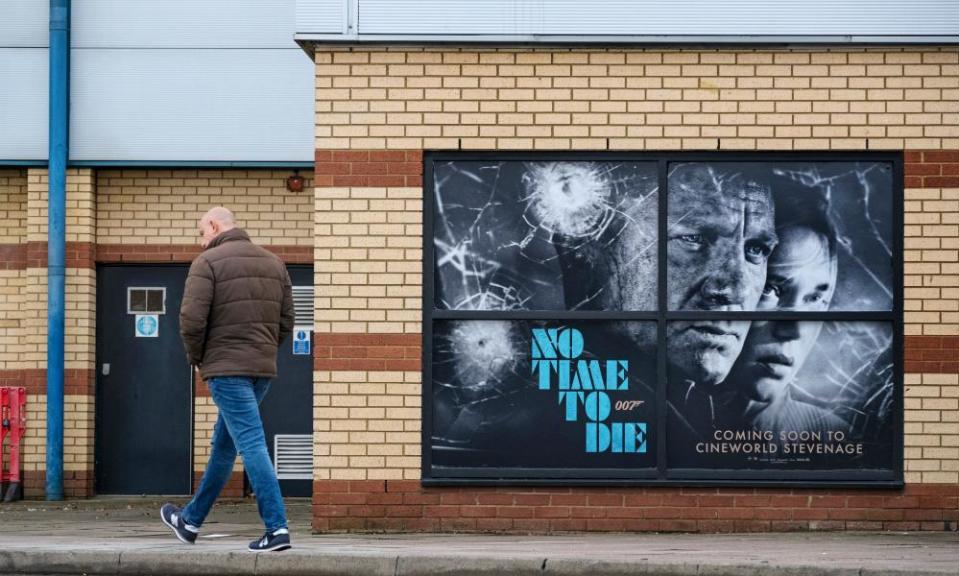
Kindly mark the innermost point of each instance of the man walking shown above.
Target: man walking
(237, 308)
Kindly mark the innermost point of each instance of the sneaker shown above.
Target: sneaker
(271, 542)
(170, 515)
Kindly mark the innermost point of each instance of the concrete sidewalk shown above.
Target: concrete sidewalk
(113, 536)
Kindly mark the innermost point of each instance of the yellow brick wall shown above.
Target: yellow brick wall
(205, 413)
(403, 98)
(12, 288)
(932, 428)
(13, 206)
(931, 260)
(368, 259)
(35, 438)
(80, 320)
(120, 207)
(80, 205)
(366, 425)
(80, 297)
(164, 206)
(78, 429)
(13, 231)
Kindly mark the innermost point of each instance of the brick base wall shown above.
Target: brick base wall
(80, 484)
(233, 488)
(406, 506)
(76, 484)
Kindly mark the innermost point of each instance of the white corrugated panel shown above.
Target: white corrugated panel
(24, 23)
(443, 17)
(321, 16)
(23, 103)
(654, 18)
(183, 23)
(753, 17)
(293, 456)
(192, 105)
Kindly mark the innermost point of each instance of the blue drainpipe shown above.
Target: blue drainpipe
(56, 241)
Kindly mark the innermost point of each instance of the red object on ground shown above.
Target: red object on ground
(13, 417)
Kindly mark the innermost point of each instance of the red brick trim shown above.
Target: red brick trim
(34, 255)
(13, 256)
(78, 254)
(184, 253)
(370, 352)
(76, 484)
(80, 484)
(932, 354)
(407, 506)
(146, 253)
(368, 168)
(932, 168)
(200, 389)
(77, 381)
(387, 352)
(12, 378)
(923, 168)
(37, 254)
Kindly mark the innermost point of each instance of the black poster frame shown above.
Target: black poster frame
(661, 475)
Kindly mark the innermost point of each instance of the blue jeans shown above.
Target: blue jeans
(238, 426)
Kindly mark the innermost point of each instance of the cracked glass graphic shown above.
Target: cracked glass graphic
(790, 384)
(800, 395)
(725, 219)
(804, 238)
(545, 236)
(515, 394)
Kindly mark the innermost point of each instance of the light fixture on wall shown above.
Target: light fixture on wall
(295, 182)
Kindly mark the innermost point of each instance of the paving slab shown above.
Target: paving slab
(125, 537)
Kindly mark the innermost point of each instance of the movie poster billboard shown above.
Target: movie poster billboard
(548, 395)
(587, 324)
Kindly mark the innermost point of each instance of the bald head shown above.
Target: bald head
(216, 221)
(221, 215)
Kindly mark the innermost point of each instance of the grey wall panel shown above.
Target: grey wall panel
(445, 17)
(23, 103)
(149, 23)
(322, 16)
(658, 17)
(754, 17)
(183, 23)
(24, 23)
(192, 105)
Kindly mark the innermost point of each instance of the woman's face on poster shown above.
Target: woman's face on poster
(801, 278)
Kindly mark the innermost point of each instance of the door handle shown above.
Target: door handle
(105, 369)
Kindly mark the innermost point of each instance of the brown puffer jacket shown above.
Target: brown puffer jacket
(237, 308)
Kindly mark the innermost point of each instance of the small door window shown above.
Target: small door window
(143, 300)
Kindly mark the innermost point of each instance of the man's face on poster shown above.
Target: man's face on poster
(721, 231)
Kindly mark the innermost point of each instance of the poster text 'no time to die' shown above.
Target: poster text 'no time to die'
(584, 386)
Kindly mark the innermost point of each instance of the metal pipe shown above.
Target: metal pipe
(56, 238)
